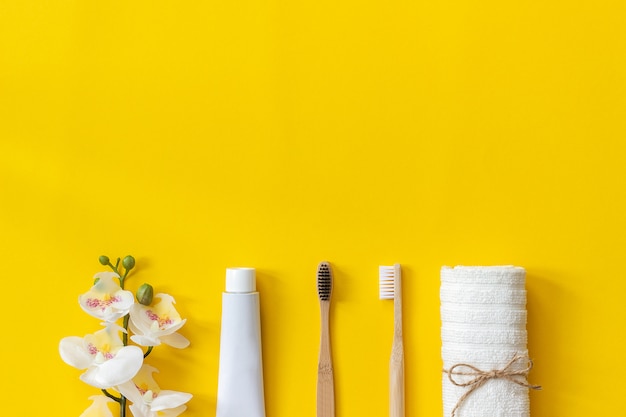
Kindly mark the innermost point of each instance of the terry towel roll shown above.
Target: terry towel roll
(484, 342)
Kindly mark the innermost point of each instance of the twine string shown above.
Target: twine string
(481, 377)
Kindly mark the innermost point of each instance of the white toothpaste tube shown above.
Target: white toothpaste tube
(240, 381)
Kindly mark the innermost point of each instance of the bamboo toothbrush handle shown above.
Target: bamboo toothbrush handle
(396, 387)
(396, 364)
(325, 383)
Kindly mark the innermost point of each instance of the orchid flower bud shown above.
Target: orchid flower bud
(128, 262)
(104, 260)
(145, 294)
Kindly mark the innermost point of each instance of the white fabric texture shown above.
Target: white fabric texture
(483, 324)
(482, 316)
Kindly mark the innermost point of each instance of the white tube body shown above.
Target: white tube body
(240, 381)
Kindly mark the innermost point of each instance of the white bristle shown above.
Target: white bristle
(386, 278)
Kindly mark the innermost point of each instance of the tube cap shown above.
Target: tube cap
(240, 280)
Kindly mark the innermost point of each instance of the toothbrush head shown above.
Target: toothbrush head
(386, 282)
(324, 281)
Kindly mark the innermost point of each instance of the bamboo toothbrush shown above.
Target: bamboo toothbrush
(325, 383)
(390, 282)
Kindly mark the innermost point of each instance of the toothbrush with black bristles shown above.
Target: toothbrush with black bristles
(325, 383)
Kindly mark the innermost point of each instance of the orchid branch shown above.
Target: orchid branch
(128, 263)
(154, 319)
(111, 396)
(145, 355)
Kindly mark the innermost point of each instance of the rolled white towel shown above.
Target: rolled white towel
(484, 342)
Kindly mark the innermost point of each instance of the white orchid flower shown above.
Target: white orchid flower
(107, 361)
(149, 400)
(99, 407)
(157, 323)
(106, 300)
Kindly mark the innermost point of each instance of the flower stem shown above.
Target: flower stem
(145, 355)
(123, 406)
(125, 335)
(111, 396)
(121, 399)
(125, 342)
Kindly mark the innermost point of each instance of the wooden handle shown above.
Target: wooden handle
(325, 382)
(396, 386)
(396, 364)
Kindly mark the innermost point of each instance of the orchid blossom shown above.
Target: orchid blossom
(107, 361)
(148, 400)
(99, 407)
(157, 323)
(106, 300)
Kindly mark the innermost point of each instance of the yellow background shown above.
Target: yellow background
(198, 135)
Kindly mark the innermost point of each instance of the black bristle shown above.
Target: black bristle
(324, 281)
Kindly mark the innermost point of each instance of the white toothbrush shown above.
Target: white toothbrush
(390, 282)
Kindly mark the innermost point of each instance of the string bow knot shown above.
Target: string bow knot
(480, 377)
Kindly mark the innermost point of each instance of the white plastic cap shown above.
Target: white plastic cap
(240, 280)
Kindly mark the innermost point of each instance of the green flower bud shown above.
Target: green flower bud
(104, 260)
(128, 262)
(145, 294)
